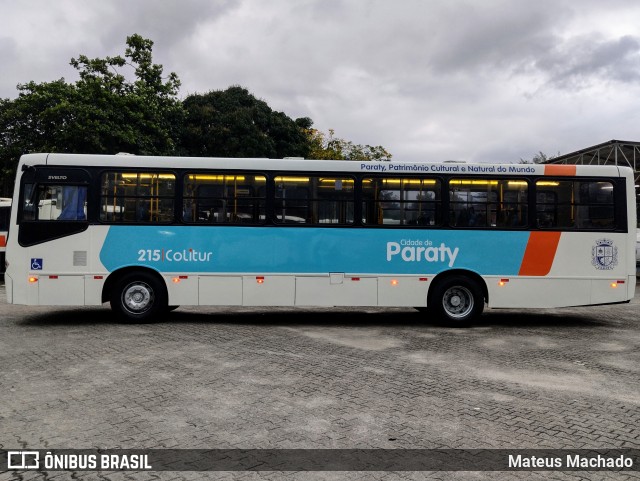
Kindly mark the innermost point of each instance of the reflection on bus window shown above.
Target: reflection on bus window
(401, 201)
(55, 202)
(224, 198)
(314, 200)
(566, 204)
(488, 203)
(137, 197)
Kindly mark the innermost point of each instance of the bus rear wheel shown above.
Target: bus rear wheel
(139, 297)
(456, 301)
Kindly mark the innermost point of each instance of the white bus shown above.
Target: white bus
(148, 234)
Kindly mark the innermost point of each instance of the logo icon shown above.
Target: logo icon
(604, 255)
(36, 264)
(23, 460)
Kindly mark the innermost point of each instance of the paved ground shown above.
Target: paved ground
(319, 378)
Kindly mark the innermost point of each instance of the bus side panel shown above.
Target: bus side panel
(93, 285)
(268, 290)
(220, 291)
(403, 291)
(598, 255)
(182, 290)
(529, 292)
(584, 269)
(56, 269)
(8, 284)
(336, 290)
(51, 290)
(604, 291)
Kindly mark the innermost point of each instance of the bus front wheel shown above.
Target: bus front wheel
(139, 297)
(456, 301)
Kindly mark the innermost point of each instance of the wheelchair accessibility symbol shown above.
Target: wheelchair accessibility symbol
(36, 264)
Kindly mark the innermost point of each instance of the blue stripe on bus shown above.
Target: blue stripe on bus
(275, 250)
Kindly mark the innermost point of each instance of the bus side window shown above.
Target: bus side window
(142, 197)
(488, 203)
(55, 202)
(401, 201)
(224, 198)
(569, 204)
(292, 203)
(28, 203)
(595, 209)
(546, 203)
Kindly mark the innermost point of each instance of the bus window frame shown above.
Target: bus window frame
(527, 225)
(272, 200)
(620, 221)
(30, 232)
(439, 204)
(97, 194)
(179, 216)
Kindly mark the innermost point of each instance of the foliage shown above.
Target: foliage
(37, 120)
(233, 123)
(539, 158)
(125, 104)
(114, 114)
(102, 112)
(331, 147)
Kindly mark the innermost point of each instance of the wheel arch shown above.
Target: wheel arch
(116, 275)
(459, 272)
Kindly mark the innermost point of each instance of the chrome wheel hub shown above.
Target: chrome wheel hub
(137, 297)
(458, 302)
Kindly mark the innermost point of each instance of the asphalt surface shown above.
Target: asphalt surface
(319, 378)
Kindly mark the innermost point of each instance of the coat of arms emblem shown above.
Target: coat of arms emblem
(604, 255)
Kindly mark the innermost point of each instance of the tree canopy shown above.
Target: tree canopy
(233, 123)
(324, 146)
(126, 103)
(539, 158)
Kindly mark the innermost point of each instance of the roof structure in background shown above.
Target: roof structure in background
(614, 152)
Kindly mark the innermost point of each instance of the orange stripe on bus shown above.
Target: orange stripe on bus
(555, 169)
(539, 254)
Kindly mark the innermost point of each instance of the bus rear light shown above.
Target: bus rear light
(423, 279)
(503, 282)
(53, 277)
(614, 284)
(175, 280)
(355, 278)
(394, 282)
(98, 277)
(33, 279)
(260, 280)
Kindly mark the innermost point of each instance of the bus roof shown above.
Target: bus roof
(302, 165)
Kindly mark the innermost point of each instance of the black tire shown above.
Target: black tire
(456, 301)
(139, 297)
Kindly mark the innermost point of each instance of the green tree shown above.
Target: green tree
(114, 114)
(539, 158)
(331, 147)
(37, 120)
(233, 123)
(103, 112)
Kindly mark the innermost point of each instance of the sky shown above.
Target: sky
(430, 80)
